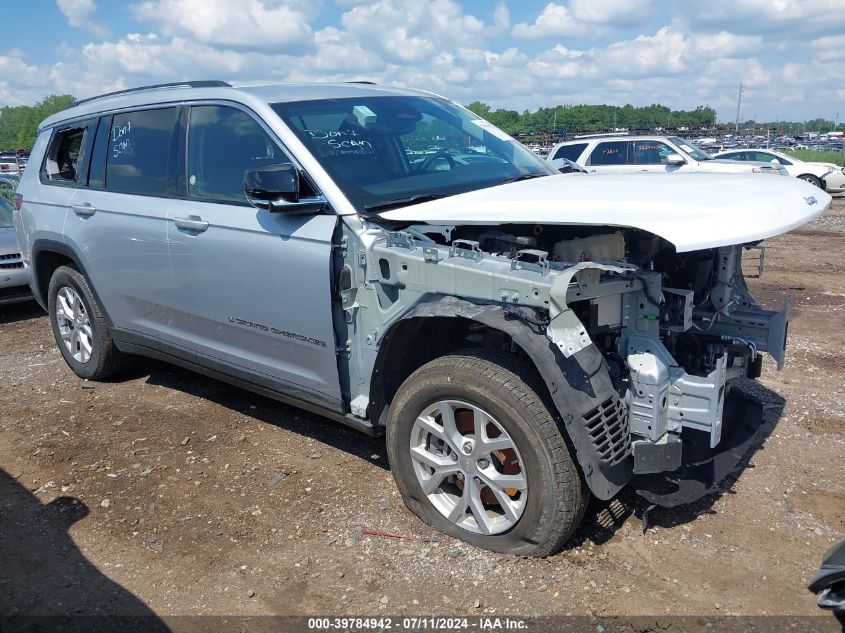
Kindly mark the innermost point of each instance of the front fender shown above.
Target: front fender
(594, 416)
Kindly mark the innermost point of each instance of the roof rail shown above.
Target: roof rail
(208, 83)
(600, 135)
(369, 83)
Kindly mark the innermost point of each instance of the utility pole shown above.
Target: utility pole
(738, 104)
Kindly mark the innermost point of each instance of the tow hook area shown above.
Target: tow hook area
(663, 398)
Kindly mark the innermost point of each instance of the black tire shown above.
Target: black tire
(106, 360)
(811, 179)
(504, 387)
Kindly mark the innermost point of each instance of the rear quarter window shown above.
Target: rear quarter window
(570, 152)
(63, 160)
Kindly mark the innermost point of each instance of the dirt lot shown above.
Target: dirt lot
(171, 492)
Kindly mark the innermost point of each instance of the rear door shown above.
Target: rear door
(253, 291)
(610, 157)
(117, 223)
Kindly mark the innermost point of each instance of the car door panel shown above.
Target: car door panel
(119, 225)
(253, 290)
(252, 287)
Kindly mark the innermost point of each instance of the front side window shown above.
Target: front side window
(610, 153)
(650, 152)
(382, 151)
(223, 143)
(733, 156)
(570, 152)
(768, 158)
(693, 150)
(64, 157)
(139, 151)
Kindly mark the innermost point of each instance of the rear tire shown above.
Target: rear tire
(496, 399)
(811, 179)
(80, 328)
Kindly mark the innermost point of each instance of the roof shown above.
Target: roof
(177, 93)
(615, 137)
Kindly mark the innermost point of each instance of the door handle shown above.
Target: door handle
(84, 210)
(191, 223)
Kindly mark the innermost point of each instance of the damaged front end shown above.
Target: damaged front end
(637, 344)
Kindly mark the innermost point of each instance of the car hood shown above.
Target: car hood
(692, 211)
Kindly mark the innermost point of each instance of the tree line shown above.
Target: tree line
(593, 118)
(18, 124)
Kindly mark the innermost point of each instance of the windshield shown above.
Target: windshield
(691, 148)
(383, 150)
(6, 209)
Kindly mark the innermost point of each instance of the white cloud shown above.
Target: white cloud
(829, 48)
(247, 23)
(667, 51)
(437, 45)
(767, 16)
(409, 32)
(556, 20)
(78, 14)
(612, 12)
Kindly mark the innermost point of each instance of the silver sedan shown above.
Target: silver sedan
(14, 278)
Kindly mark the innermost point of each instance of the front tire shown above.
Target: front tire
(80, 328)
(811, 179)
(477, 454)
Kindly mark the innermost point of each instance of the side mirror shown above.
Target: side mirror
(675, 159)
(775, 161)
(276, 188)
(566, 166)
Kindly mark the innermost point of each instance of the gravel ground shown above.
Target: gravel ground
(174, 494)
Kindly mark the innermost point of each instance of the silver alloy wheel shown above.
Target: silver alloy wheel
(469, 467)
(74, 324)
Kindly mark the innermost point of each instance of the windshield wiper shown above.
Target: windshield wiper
(507, 181)
(401, 202)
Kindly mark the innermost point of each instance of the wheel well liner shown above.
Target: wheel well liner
(577, 386)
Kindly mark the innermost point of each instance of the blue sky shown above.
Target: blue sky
(516, 54)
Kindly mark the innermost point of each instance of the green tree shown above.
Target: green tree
(18, 124)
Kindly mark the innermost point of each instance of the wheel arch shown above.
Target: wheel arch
(576, 387)
(47, 256)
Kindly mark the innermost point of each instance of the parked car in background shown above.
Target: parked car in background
(14, 279)
(9, 166)
(828, 176)
(607, 154)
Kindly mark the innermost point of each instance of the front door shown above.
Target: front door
(252, 287)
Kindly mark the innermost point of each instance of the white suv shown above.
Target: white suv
(612, 154)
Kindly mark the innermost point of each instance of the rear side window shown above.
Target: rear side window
(734, 156)
(610, 153)
(223, 143)
(64, 157)
(570, 152)
(139, 152)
